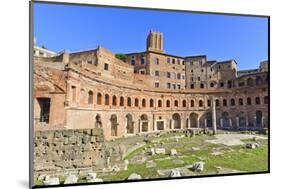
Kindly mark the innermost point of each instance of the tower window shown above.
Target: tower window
(156, 84)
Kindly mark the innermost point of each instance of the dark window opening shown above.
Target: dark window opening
(249, 101)
(224, 102)
(44, 104)
(258, 101)
(200, 103)
(192, 103)
(232, 102)
(151, 103)
(106, 66)
(240, 101)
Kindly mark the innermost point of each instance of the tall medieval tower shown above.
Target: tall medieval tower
(154, 42)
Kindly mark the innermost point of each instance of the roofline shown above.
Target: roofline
(197, 56)
(165, 54)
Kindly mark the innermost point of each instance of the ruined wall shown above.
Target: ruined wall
(76, 150)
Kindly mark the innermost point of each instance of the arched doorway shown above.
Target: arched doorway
(225, 121)
(144, 123)
(258, 119)
(130, 124)
(176, 121)
(241, 120)
(193, 120)
(208, 118)
(114, 124)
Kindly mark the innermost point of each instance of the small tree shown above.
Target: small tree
(121, 56)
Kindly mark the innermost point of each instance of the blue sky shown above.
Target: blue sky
(220, 37)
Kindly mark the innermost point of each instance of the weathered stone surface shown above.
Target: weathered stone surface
(134, 176)
(126, 163)
(160, 151)
(91, 176)
(198, 166)
(151, 151)
(71, 179)
(52, 181)
(252, 145)
(173, 152)
(63, 150)
(175, 173)
(115, 168)
(95, 180)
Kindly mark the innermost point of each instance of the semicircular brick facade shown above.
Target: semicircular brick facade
(144, 92)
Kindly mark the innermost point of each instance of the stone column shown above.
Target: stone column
(188, 123)
(221, 122)
(205, 122)
(255, 119)
(139, 126)
(247, 122)
(214, 121)
(262, 122)
(182, 122)
(230, 122)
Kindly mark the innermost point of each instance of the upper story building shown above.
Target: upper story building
(172, 72)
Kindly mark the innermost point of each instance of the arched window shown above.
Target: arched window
(224, 102)
(240, 101)
(114, 124)
(106, 99)
(192, 103)
(129, 103)
(136, 102)
(232, 102)
(90, 97)
(208, 103)
(200, 103)
(151, 103)
(217, 102)
(176, 104)
(184, 103)
(114, 100)
(99, 98)
(168, 103)
(212, 85)
(143, 103)
(249, 101)
(159, 103)
(121, 101)
(258, 101)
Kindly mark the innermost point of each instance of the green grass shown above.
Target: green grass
(236, 158)
(239, 159)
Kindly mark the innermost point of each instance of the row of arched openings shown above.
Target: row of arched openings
(257, 101)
